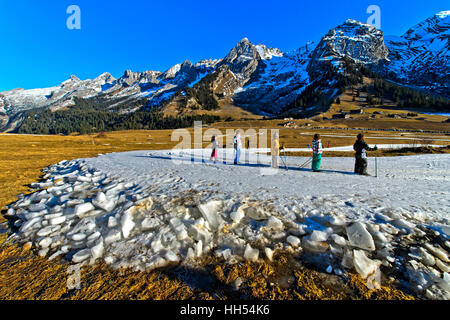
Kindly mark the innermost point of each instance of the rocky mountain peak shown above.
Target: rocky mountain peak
(358, 41)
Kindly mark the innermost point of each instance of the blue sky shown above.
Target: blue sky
(38, 50)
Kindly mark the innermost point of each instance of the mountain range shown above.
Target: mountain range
(257, 78)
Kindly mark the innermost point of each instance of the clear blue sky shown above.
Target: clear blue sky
(38, 50)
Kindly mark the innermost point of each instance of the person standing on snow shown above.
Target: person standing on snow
(215, 146)
(317, 149)
(275, 150)
(237, 146)
(361, 147)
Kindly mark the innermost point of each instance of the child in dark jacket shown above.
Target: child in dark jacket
(361, 147)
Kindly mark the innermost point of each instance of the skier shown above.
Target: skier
(237, 146)
(361, 147)
(317, 149)
(275, 150)
(215, 146)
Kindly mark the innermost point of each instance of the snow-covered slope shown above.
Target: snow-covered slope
(360, 42)
(17, 100)
(277, 82)
(421, 56)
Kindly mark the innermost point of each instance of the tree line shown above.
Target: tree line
(84, 121)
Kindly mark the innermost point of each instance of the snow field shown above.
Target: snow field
(150, 209)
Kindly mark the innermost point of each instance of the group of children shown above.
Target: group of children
(360, 147)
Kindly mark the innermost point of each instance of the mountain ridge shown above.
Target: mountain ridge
(261, 79)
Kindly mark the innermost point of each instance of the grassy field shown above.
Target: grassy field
(24, 275)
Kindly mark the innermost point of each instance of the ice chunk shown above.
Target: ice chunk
(29, 224)
(275, 223)
(347, 259)
(156, 262)
(442, 265)
(77, 236)
(181, 233)
(337, 221)
(314, 246)
(339, 240)
(255, 213)
(44, 231)
(402, 223)
(45, 243)
(55, 255)
(251, 254)
(83, 208)
(57, 220)
(293, 241)
(94, 236)
(113, 236)
(127, 224)
(199, 233)
(97, 251)
(427, 259)
(437, 252)
(318, 236)
(99, 198)
(37, 207)
(190, 254)
(103, 202)
(81, 255)
(269, 253)
(199, 248)
(237, 215)
(363, 265)
(112, 222)
(150, 223)
(211, 213)
(445, 282)
(380, 237)
(358, 236)
(171, 256)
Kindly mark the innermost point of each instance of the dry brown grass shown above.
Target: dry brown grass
(24, 275)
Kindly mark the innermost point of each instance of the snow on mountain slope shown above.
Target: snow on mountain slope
(360, 42)
(277, 82)
(265, 80)
(421, 56)
(17, 100)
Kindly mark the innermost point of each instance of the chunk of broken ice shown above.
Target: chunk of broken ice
(363, 265)
(251, 254)
(358, 236)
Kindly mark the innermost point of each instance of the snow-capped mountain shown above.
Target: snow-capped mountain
(257, 78)
(421, 56)
(276, 82)
(361, 42)
(18, 100)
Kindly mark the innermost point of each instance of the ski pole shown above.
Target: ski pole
(307, 162)
(283, 158)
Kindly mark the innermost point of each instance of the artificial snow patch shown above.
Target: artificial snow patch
(154, 213)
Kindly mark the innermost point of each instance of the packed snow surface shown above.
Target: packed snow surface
(150, 209)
